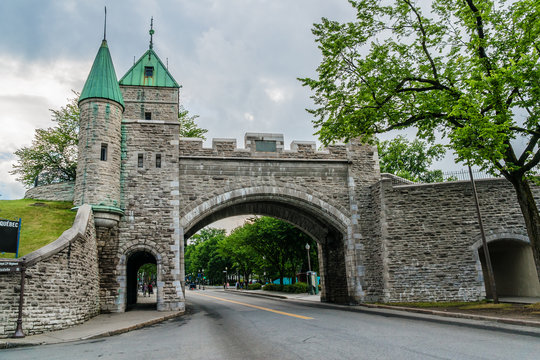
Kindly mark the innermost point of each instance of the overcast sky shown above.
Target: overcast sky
(237, 61)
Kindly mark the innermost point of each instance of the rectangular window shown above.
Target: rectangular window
(103, 155)
(147, 116)
(265, 145)
(148, 71)
(140, 161)
(158, 160)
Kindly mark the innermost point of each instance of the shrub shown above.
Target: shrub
(297, 288)
(273, 287)
(254, 286)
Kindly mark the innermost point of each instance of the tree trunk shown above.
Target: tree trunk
(530, 215)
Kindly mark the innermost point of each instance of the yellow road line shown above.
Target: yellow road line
(257, 307)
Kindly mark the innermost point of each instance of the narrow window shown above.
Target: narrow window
(148, 71)
(140, 161)
(158, 160)
(148, 116)
(103, 155)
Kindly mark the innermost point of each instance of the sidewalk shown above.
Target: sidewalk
(100, 326)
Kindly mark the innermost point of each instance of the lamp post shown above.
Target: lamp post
(264, 266)
(308, 260)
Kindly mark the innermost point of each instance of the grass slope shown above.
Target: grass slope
(42, 221)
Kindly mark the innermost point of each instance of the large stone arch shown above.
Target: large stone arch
(300, 199)
(513, 264)
(326, 224)
(125, 252)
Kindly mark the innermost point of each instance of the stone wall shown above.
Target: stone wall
(427, 235)
(52, 192)
(160, 102)
(321, 192)
(150, 197)
(61, 288)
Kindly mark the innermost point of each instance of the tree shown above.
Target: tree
(202, 253)
(410, 160)
(280, 243)
(52, 157)
(188, 127)
(469, 71)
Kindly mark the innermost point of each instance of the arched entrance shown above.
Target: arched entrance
(135, 261)
(325, 224)
(513, 268)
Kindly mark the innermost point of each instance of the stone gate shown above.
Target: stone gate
(379, 238)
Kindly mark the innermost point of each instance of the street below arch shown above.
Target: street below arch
(225, 325)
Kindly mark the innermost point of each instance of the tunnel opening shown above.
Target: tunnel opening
(141, 280)
(328, 237)
(513, 268)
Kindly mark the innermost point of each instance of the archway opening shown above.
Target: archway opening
(250, 254)
(513, 268)
(328, 232)
(141, 278)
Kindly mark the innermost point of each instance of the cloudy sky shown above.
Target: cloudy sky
(237, 61)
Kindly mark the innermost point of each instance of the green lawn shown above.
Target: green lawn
(42, 221)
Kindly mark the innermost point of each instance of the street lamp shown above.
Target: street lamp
(203, 279)
(308, 261)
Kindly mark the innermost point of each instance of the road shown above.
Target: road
(220, 325)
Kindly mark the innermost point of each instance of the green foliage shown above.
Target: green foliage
(296, 288)
(273, 246)
(57, 216)
(254, 286)
(410, 160)
(470, 71)
(149, 271)
(273, 287)
(467, 70)
(53, 153)
(202, 253)
(188, 127)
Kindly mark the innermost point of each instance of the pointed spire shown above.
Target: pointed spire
(105, 26)
(102, 81)
(151, 32)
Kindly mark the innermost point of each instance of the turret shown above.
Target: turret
(98, 170)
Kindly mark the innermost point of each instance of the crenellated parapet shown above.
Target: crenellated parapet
(261, 145)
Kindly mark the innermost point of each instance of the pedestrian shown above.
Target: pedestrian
(145, 289)
(150, 289)
(236, 285)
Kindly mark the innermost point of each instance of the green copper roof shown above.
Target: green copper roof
(102, 81)
(149, 71)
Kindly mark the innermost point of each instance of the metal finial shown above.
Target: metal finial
(105, 26)
(151, 31)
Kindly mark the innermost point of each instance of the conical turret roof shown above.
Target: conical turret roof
(102, 81)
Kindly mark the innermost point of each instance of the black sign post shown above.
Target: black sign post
(10, 231)
(19, 332)
(16, 266)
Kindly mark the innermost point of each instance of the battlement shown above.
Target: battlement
(261, 145)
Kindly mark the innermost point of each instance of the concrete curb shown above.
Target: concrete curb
(13, 343)
(514, 326)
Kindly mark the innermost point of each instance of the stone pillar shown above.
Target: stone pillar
(364, 172)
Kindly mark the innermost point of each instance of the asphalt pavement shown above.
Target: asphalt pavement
(113, 324)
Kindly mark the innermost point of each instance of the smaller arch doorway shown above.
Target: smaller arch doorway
(141, 291)
(513, 268)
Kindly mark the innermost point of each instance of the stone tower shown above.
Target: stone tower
(98, 170)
